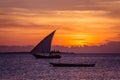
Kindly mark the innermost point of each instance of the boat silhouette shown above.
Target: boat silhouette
(42, 50)
(72, 65)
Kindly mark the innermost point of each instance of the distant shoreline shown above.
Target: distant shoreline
(82, 54)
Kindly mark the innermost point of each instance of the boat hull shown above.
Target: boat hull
(71, 65)
(47, 57)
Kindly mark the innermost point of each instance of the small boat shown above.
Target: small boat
(72, 65)
(42, 50)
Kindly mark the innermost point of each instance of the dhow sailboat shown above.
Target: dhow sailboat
(42, 50)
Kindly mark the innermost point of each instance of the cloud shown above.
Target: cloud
(21, 16)
(111, 6)
(13, 23)
(110, 47)
(37, 8)
(71, 17)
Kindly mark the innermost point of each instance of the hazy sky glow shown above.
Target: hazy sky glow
(78, 22)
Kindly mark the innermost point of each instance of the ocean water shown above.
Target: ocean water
(27, 67)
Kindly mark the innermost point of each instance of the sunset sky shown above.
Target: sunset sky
(78, 22)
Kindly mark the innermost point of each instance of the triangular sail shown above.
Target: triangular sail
(45, 45)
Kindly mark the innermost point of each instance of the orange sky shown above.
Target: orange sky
(78, 22)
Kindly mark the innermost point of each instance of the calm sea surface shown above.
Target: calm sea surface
(26, 67)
